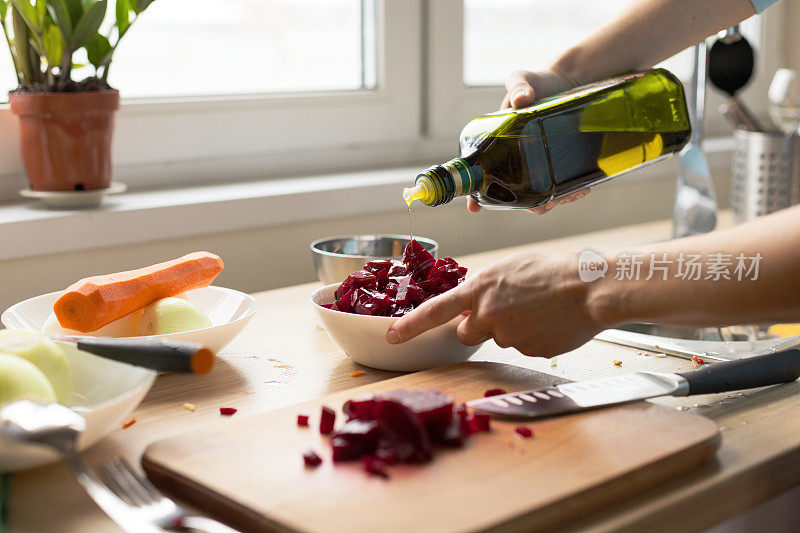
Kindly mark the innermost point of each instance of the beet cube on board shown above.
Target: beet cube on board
(482, 421)
(354, 439)
(345, 450)
(433, 408)
(326, 420)
(376, 467)
(524, 432)
(310, 458)
(362, 408)
(455, 434)
(404, 427)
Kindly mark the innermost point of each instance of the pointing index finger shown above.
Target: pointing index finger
(434, 312)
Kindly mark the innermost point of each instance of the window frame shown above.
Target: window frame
(228, 138)
(413, 116)
(451, 103)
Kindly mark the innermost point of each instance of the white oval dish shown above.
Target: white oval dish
(229, 311)
(104, 392)
(363, 338)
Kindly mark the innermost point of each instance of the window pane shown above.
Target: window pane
(8, 79)
(222, 47)
(505, 35)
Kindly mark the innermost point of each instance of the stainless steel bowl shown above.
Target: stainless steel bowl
(337, 257)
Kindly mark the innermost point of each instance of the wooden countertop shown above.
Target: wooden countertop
(284, 357)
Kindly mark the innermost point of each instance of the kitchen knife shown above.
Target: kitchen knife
(757, 371)
(163, 355)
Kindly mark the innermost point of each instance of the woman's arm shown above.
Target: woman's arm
(648, 33)
(539, 304)
(768, 246)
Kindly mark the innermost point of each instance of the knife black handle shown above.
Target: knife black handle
(747, 373)
(155, 354)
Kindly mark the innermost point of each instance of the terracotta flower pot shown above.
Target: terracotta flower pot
(65, 138)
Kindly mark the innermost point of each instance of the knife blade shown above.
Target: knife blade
(752, 372)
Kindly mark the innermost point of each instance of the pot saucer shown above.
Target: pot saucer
(89, 198)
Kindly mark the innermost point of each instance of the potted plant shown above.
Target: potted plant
(65, 125)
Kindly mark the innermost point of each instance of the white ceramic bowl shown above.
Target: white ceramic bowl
(228, 310)
(104, 392)
(363, 338)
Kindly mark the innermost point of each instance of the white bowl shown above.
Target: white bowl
(228, 310)
(104, 392)
(363, 338)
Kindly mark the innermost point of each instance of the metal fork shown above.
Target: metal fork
(135, 490)
(58, 427)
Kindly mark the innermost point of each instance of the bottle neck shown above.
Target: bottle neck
(441, 183)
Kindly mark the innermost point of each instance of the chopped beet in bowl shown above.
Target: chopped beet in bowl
(394, 288)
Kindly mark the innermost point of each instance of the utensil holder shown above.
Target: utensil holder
(765, 174)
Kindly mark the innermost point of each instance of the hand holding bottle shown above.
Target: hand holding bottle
(535, 303)
(523, 88)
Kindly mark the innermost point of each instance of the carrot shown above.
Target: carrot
(93, 302)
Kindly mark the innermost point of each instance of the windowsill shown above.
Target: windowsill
(29, 229)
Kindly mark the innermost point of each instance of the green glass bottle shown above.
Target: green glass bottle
(522, 158)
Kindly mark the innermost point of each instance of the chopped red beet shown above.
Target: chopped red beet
(387, 455)
(362, 408)
(493, 392)
(354, 439)
(310, 458)
(418, 259)
(482, 421)
(433, 408)
(302, 420)
(400, 426)
(376, 467)
(395, 288)
(458, 430)
(326, 420)
(227, 411)
(404, 431)
(698, 360)
(524, 432)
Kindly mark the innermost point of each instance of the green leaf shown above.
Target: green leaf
(41, 11)
(34, 43)
(3, 8)
(141, 5)
(29, 14)
(60, 12)
(21, 33)
(123, 16)
(87, 27)
(75, 11)
(53, 46)
(98, 49)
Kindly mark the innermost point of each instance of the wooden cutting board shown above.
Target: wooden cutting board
(249, 471)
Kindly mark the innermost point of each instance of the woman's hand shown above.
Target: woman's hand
(522, 89)
(536, 304)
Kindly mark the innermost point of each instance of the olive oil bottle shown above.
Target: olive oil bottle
(522, 158)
